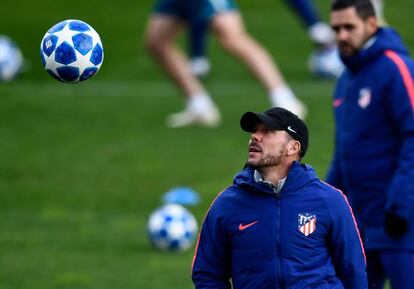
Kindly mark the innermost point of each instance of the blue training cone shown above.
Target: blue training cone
(181, 195)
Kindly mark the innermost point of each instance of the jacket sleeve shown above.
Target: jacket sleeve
(400, 109)
(211, 264)
(334, 176)
(345, 244)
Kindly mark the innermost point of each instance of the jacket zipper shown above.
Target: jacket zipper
(278, 249)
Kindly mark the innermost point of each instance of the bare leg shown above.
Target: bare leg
(161, 34)
(160, 41)
(229, 30)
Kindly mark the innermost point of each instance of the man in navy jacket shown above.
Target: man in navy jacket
(374, 154)
(278, 226)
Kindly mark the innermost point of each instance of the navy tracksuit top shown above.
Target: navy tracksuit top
(304, 237)
(374, 152)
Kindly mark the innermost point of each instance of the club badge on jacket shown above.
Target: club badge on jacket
(364, 97)
(306, 223)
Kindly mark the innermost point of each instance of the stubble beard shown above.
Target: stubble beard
(353, 49)
(270, 160)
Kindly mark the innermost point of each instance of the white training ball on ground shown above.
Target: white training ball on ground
(172, 228)
(326, 63)
(11, 59)
(71, 51)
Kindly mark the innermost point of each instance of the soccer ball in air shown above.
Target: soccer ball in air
(172, 228)
(71, 51)
(11, 59)
(326, 63)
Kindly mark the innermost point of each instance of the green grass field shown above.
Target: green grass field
(82, 166)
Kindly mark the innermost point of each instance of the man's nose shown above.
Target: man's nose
(342, 34)
(256, 136)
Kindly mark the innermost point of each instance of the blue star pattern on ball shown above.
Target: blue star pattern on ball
(172, 228)
(71, 51)
(82, 42)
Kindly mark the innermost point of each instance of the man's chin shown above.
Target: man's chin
(346, 51)
(253, 164)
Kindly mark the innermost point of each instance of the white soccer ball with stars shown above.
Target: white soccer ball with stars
(71, 51)
(172, 228)
(11, 59)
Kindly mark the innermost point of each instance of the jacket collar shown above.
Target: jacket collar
(298, 176)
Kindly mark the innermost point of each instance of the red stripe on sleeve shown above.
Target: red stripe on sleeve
(353, 217)
(405, 74)
(199, 234)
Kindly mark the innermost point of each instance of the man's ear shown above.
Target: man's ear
(294, 147)
(372, 24)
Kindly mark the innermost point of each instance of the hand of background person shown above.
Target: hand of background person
(395, 226)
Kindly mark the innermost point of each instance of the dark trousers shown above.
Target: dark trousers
(397, 266)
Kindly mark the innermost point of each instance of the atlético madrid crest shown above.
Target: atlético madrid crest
(364, 97)
(306, 223)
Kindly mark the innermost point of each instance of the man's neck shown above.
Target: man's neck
(274, 174)
(370, 41)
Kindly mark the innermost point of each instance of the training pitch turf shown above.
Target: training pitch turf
(82, 166)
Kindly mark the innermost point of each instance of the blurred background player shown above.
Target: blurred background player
(324, 61)
(165, 23)
(197, 48)
(319, 33)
